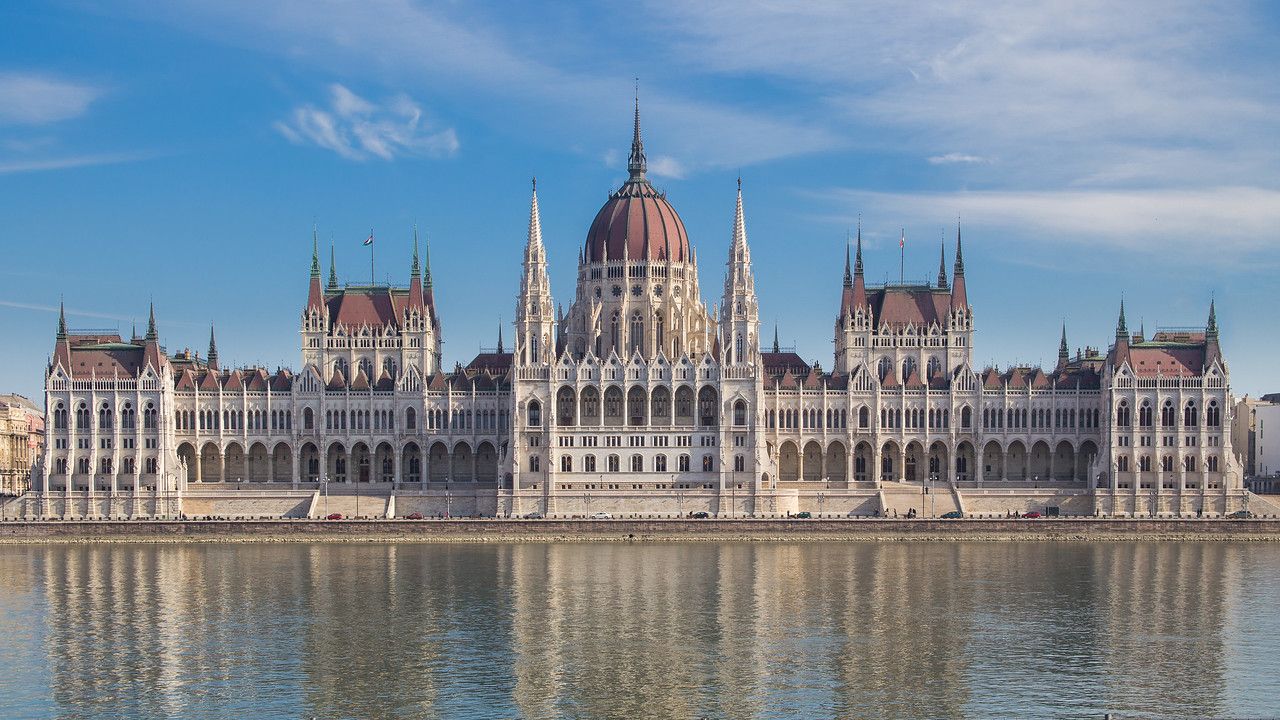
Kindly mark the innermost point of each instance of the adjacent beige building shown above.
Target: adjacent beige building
(21, 442)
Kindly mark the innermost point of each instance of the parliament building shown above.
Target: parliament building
(640, 398)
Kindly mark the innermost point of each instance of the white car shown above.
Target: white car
(601, 516)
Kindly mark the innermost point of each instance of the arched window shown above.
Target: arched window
(411, 419)
(308, 419)
(389, 365)
(738, 353)
(708, 463)
(966, 417)
(613, 334)
(908, 367)
(1167, 416)
(1190, 416)
(612, 464)
(589, 463)
(1144, 414)
(682, 463)
(707, 406)
(127, 417)
(366, 366)
(340, 365)
(885, 367)
(1123, 417)
(60, 417)
(864, 417)
(740, 413)
(566, 403)
(535, 413)
(935, 367)
(1212, 414)
(637, 463)
(104, 417)
(566, 463)
(636, 337)
(659, 335)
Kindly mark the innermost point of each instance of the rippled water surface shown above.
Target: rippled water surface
(735, 630)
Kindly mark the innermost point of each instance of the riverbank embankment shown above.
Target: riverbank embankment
(632, 530)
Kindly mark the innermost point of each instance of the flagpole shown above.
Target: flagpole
(371, 251)
(902, 245)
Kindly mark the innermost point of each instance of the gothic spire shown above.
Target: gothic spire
(62, 320)
(776, 347)
(427, 283)
(942, 266)
(500, 348)
(857, 262)
(315, 253)
(1122, 328)
(636, 164)
(333, 268)
(414, 270)
(535, 223)
(151, 323)
(1063, 352)
(213, 349)
(959, 293)
(1211, 330)
(738, 250)
(848, 276)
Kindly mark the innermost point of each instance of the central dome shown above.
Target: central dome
(637, 221)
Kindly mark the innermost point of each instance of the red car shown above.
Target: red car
(334, 516)
(413, 516)
(1031, 515)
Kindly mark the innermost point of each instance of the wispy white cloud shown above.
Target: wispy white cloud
(666, 166)
(9, 167)
(358, 129)
(956, 158)
(35, 99)
(1223, 225)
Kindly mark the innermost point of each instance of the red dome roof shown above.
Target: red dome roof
(642, 219)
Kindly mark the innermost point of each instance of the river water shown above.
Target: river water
(603, 630)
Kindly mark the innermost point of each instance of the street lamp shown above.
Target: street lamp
(324, 485)
(933, 501)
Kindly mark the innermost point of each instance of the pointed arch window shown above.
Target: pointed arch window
(659, 335)
(636, 338)
(613, 334)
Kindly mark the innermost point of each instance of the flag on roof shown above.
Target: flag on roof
(369, 240)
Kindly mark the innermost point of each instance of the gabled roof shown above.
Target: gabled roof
(233, 381)
(337, 381)
(493, 362)
(209, 381)
(361, 382)
(282, 380)
(917, 305)
(374, 306)
(782, 362)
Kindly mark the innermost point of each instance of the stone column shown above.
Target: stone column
(395, 467)
(222, 465)
(295, 463)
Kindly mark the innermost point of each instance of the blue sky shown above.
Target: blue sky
(182, 151)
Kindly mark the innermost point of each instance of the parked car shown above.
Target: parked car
(413, 516)
(1031, 515)
(700, 515)
(803, 515)
(533, 516)
(333, 516)
(601, 516)
(953, 515)
(1242, 515)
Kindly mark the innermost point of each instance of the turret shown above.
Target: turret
(333, 268)
(416, 301)
(1064, 354)
(942, 267)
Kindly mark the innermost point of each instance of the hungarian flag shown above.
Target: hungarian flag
(369, 240)
(902, 241)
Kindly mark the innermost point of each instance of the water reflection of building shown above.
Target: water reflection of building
(735, 630)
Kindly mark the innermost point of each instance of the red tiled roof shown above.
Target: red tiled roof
(783, 362)
(1167, 361)
(639, 218)
(900, 306)
(337, 381)
(282, 380)
(496, 363)
(376, 307)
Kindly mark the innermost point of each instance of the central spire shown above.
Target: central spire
(636, 164)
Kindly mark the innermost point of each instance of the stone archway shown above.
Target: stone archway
(282, 463)
(862, 458)
(812, 461)
(837, 462)
(411, 463)
(1015, 461)
(486, 463)
(992, 462)
(788, 462)
(1041, 459)
(914, 463)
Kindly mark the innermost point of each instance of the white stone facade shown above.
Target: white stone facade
(641, 399)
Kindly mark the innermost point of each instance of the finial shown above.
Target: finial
(315, 251)
(62, 318)
(857, 262)
(426, 274)
(151, 322)
(942, 265)
(636, 164)
(500, 348)
(848, 276)
(1211, 330)
(333, 266)
(959, 268)
(1121, 327)
(213, 348)
(776, 348)
(415, 271)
